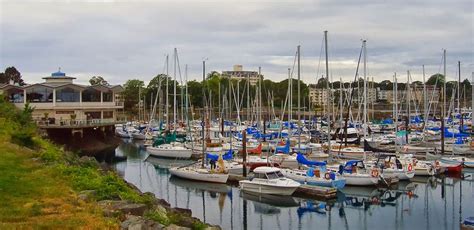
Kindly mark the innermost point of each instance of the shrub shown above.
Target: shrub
(23, 138)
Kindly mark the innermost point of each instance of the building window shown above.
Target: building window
(92, 115)
(107, 96)
(67, 95)
(15, 96)
(39, 94)
(108, 114)
(91, 95)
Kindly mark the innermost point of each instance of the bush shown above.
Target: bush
(23, 138)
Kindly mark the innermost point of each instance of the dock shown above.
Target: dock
(318, 192)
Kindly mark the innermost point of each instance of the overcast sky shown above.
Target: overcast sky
(122, 40)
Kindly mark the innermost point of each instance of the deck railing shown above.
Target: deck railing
(78, 123)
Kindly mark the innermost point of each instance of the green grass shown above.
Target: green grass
(35, 195)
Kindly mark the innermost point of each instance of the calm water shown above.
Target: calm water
(423, 203)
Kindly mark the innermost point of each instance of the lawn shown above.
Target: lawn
(33, 195)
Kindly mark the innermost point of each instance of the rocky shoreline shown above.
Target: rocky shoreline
(153, 215)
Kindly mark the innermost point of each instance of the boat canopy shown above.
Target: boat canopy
(302, 160)
(227, 156)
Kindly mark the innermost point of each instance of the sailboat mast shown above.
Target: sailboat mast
(444, 102)
(408, 98)
(174, 89)
(203, 113)
(340, 102)
(365, 94)
(289, 100)
(259, 95)
(459, 88)
(166, 93)
(299, 98)
(328, 100)
(396, 109)
(425, 97)
(459, 99)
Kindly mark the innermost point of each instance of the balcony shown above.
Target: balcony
(72, 105)
(69, 123)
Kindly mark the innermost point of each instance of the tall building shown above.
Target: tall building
(318, 96)
(239, 73)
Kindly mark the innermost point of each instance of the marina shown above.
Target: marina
(421, 203)
(210, 115)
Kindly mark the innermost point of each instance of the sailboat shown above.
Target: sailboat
(170, 148)
(314, 176)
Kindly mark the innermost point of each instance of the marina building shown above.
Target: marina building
(59, 102)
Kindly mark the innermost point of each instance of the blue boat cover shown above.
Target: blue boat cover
(302, 160)
(227, 156)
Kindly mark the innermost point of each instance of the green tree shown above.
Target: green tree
(11, 73)
(437, 79)
(386, 85)
(98, 80)
(130, 94)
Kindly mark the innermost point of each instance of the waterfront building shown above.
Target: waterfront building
(58, 101)
(239, 74)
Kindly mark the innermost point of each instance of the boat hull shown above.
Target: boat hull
(249, 186)
(170, 153)
(199, 176)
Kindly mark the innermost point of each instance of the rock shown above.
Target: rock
(163, 202)
(134, 209)
(183, 211)
(175, 227)
(139, 223)
(87, 195)
(213, 228)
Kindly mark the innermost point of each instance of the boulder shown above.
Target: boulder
(133, 222)
(87, 195)
(175, 227)
(133, 209)
(183, 211)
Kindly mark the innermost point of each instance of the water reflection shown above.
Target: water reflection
(423, 203)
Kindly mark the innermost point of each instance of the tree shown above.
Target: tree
(436, 79)
(130, 94)
(11, 73)
(386, 85)
(98, 80)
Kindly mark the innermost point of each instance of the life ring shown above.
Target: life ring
(374, 200)
(437, 163)
(327, 176)
(374, 173)
(410, 167)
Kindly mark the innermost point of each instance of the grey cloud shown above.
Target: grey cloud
(126, 40)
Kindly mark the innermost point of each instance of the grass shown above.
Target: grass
(35, 195)
(39, 182)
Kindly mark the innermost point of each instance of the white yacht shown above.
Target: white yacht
(269, 180)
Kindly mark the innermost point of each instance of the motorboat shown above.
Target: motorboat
(269, 180)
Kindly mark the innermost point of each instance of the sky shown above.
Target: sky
(122, 40)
